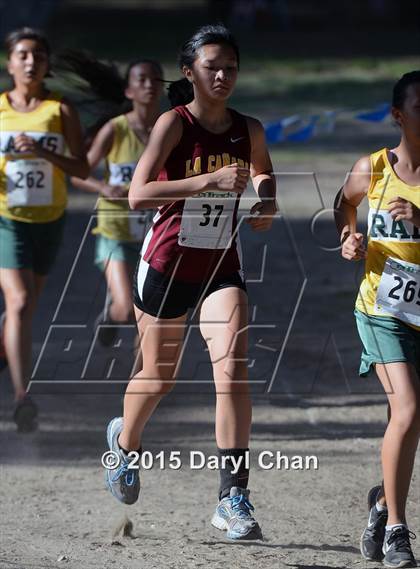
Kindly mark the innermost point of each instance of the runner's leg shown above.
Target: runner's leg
(21, 289)
(402, 386)
(161, 345)
(224, 327)
(119, 278)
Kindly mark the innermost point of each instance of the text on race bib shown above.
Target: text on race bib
(52, 141)
(121, 174)
(207, 221)
(382, 227)
(29, 183)
(399, 291)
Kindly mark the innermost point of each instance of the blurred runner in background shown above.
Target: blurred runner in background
(41, 141)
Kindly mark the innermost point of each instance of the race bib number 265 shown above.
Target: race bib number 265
(399, 291)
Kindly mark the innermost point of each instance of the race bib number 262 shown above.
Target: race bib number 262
(29, 183)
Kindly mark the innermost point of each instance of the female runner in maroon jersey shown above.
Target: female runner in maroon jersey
(196, 166)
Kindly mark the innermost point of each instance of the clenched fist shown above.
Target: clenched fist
(231, 178)
(352, 247)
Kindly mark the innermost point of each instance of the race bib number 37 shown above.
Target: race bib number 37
(207, 221)
(29, 183)
(399, 291)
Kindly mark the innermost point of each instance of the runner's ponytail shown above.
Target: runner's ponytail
(101, 83)
(180, 92)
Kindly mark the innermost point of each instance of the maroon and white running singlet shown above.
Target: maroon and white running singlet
(192, 238)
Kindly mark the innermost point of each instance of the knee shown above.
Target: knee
(153, 383)
(20, 303)
(162, 385)
(235, 385)
(408, 421)
(232, 374)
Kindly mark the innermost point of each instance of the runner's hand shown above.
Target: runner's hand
(24, 143)
(399, 208)
(114, 192)
(231, 178)
(352, 247)
(262, 214)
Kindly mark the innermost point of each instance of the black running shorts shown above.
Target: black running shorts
(155, 293)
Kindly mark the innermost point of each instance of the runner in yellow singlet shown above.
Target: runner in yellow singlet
(120, 142)
(388, 312)
(40, 141)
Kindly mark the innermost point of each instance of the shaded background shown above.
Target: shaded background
(297, 57)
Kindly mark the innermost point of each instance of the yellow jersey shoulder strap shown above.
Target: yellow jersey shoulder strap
(121, 129)
(3, 101)
(378, 164)
(126, 146)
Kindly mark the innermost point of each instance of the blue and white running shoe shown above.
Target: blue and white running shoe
(123, 482)
(233, 514)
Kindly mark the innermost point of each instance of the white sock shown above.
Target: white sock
(380, 507)
(393, 526)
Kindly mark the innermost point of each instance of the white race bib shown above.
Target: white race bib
(399, 291)
(207, 220)
(29, 182)
(121, 174)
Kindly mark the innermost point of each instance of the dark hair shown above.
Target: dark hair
(181, 92)
(400, 88)
(136, 62)
(101, 79)
(13, 38)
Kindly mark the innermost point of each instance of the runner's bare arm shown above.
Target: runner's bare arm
(261, 166)
(101, 146)
(145, 192)
(345, 209)
(262, 177)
